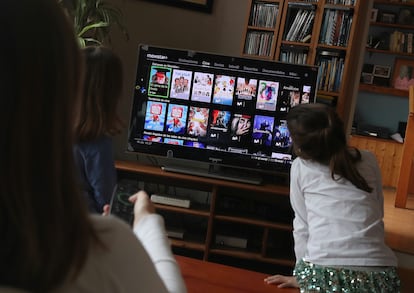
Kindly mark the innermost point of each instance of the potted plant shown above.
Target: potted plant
(93, 20)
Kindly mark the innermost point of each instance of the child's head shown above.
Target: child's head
(317, 132)
(101, 94)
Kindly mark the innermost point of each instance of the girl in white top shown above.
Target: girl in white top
(49, 242)
(336, 195)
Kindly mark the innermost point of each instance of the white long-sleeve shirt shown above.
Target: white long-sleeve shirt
(335, 222)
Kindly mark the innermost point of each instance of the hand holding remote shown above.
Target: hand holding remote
(142, 205)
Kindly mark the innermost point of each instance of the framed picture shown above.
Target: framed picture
(387, 17)
(374, 15)
(382, 71)
(367, 78)
(199, 5)
(403, 75)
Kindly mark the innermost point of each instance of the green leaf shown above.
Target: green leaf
(92, 26)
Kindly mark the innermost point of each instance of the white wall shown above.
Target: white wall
(157, 24)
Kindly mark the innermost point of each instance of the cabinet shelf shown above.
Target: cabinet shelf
(388, 52)
(393, 3)
(195, 210)
(295, 44)
(393, 25)
(238, 253)
(382, 90)
(266, 221)
(255, 222)
(187, 244)
(327, 93)
(260, 28)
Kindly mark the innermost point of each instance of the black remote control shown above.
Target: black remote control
(120, 205)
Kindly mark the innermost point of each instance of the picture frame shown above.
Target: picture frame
(405, 16)
(382, 71)
(387, 17)
(374, 14)
(367, 78)
(198, 5)
(403, 75)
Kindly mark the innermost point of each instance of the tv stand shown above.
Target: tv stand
(261, 215)
(218, 172)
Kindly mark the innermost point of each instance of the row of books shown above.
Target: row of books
(401, 42)
(293, 57)
(258, 43)
(264, 15)
(330, 73)
(336, 27)
(300, 28)
(342, 2)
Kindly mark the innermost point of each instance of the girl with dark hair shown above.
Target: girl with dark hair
(97, 123)
(336, 195)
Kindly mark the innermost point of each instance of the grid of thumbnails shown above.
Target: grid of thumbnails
(219, 107)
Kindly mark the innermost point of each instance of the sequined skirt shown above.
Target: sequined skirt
(315, 278)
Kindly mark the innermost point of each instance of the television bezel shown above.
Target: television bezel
(202, 157)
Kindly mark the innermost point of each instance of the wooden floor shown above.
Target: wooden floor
(399, 223)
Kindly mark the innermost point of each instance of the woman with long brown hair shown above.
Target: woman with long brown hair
(49, 242)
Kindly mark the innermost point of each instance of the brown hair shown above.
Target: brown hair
(44, 224)
(318, 134)
(101, 93)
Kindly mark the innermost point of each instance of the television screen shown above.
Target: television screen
(222, 110)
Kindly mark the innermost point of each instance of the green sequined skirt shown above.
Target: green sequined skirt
(315, 278)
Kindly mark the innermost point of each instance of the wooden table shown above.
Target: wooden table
(207, 277)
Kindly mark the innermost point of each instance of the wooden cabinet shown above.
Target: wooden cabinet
(235, 223)
(388, 153)
(328, 33)
(390, 36)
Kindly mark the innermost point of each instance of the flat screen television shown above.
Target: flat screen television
(224, 113)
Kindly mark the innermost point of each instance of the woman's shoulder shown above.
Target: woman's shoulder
(109, 225)
(118, 241)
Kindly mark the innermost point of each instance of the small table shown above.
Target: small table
(208, 277)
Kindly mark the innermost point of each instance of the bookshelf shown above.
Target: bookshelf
(389, 46)
(328, 33)
(390, 37)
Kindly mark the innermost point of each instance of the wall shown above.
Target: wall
(381, 110)
(157, 24)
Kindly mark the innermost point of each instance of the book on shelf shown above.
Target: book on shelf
(264, 14)
(258, 43)
(301, 26)
(336, 27)
(341, 2)
(293, 57)
(401, 42)
(331, 67)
